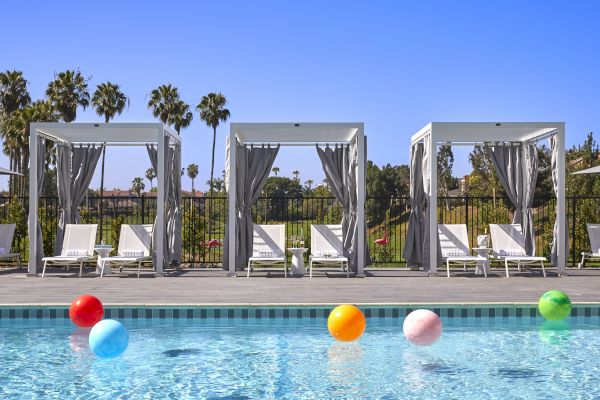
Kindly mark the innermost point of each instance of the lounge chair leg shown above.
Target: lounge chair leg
(310, 268)
(44, 270)
(80, 269)
(506, 265)
(582, 263)
(139, 267)
(248, 269)
(285, 266)
(543, 269)
(347, 270)
(19, 262)
(448, 268)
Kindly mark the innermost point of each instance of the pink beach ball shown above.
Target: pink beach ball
(422, 327)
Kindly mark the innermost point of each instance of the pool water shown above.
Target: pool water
(297, 359)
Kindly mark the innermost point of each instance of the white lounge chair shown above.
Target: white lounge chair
(594, 235)
(508, 244)
(454, 242)
(326, 247)
(268, 247)
(7, 233)
(77, 248)
(135, 247)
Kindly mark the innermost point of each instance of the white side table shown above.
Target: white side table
(298, 268)
(485, 253)
(103, 252)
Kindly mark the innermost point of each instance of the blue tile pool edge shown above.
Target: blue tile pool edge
(306, 311)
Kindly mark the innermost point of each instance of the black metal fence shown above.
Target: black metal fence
(204, 220)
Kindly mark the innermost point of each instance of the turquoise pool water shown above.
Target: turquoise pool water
(502, 358)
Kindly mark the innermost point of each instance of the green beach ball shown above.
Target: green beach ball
(554, 305)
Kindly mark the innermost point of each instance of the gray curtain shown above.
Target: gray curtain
(75, 166)
(413, 248)
(168, 199)
(554, 162)
(531, 174)
(508, 162)
(253, 166)
(340, 167)
(41, 159)
(174, 228)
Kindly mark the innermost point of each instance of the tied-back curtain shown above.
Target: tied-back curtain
(413, 249)
(507, 161)
(554, 162)
(75, 168)
(531, 174)
(253, 166)
(41, 158)
(174, 217)
(168, 200)
(339, 166)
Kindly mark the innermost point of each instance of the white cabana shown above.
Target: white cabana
(78, 149)
(511, 146)
(251, 151)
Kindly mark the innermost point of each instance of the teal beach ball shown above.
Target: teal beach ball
(109, 338)
(554, 305)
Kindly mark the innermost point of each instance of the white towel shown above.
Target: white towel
(132, 253)
(76, 253)
(510, 253)
(455, 253)
(265, 253)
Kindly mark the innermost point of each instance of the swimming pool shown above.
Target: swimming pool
(498, 356)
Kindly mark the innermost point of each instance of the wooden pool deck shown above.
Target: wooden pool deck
(383, 286)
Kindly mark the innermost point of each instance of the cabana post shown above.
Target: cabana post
(109, 134)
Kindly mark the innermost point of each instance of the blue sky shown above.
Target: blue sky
(395, 65)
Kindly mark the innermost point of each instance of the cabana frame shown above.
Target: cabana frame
(111, 134)
(477, 133)
(296, 134)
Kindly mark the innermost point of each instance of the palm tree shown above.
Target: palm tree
(182, 116)
(296, 174)
(308, 184)
(13, 92)
(137, 186)
(13, 96)
(275, 170)
(16, 132)
(150, 175)
(213, 112)
(66, 92)
(192, 173)
(108, 101)
(167, 106)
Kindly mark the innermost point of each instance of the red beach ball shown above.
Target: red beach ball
(86, 311)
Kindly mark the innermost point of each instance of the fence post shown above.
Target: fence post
(101, 209)
(574, 200)
(467, 211)
(143, 208)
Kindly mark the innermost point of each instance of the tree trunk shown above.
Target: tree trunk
(212, 170)
(212, 163)
(11, 180)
